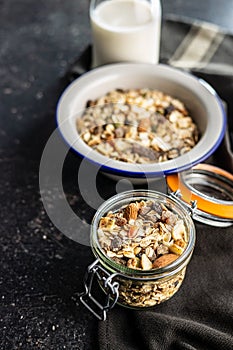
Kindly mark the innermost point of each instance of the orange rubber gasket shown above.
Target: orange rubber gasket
(222, 210)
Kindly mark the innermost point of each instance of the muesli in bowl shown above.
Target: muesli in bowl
(199, 98)
(138, 126)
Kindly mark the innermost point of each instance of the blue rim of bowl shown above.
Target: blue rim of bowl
(151, 174)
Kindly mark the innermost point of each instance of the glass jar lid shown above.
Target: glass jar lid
(211, 187)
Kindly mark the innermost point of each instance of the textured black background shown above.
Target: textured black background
(40, 269)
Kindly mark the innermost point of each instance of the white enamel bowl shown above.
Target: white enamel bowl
(201, 100)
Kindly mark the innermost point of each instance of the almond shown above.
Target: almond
(132, 231)
(131, 212)
(164, 260)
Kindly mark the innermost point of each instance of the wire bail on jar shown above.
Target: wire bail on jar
(193, 203)
(86, 297)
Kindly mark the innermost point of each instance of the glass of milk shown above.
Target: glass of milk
(125, 31)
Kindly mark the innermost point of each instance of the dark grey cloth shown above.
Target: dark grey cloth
(200, 315)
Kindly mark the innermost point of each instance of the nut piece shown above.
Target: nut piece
(133, 263)
(128, 254)
(120, 221)
(164, 260)
(144, 124)
(132, 231)
(106, 223)
(178, 230)
(137, 250)
(177, 249)
(131, 212)
(145, 262)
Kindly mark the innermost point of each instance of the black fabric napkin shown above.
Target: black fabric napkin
(200, 315)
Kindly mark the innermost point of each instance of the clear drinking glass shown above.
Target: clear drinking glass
(125, 30)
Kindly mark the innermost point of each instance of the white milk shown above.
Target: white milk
(126, 30)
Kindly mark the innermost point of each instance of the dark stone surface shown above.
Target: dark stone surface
(40, 269)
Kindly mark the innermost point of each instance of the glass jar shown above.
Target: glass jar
(211, 187)
(134, 288)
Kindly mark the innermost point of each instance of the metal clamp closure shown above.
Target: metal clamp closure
(95, 270)
(193, 204)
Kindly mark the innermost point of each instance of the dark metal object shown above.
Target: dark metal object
(97, 271)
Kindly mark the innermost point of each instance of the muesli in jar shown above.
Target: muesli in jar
(144, 235)
(138, 126)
